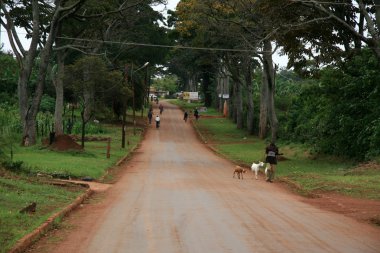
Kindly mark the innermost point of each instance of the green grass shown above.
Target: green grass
(185, 105)
(17, 193)
(92, 162)
(311, 172)
(19, 190)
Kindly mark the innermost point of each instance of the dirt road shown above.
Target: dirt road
(177, 196)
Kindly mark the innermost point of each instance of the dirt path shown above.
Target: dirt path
(175, 195)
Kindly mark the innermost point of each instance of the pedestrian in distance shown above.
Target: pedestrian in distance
(196, 113)
(150, 116)
(185, 116)
(271, 152)
(157, 121)
(161, 107)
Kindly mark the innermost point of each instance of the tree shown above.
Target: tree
(89, 80)
(100, 22)
(167, 83)
(240, 26)
(8, 77)
(40, 20)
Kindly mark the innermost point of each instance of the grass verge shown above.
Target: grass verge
(92, 162)
(18, 192)
(20, 187)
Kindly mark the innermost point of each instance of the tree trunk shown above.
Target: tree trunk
(82, 113)
(88, 95)
(269, 72)
(28, 123)
(263, 106)
(58, 83)
(234, 103)
(236, 94)
(123, 127)
(206, 89)
(239, 106)
(28, 112)
(250, 105)
(219, 91)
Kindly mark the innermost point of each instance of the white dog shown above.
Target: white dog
(256, 167)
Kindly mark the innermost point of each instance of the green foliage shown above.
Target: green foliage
(44, 122)
(167, 83)
(47, 104)
(339, 115)
(8, 78)
(10, 128)
(17, 193)
(16, 166)
(89, 80)
(91, 128)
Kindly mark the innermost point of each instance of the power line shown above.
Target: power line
(162, 46)
(326, 2)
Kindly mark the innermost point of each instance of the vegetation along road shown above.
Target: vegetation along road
(175, 195)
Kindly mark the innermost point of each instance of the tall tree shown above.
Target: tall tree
(40, 20)
(89, 78)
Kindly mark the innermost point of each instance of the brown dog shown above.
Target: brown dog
(239, 171)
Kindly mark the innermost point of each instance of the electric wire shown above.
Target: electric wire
(162, 46)
(327, 2)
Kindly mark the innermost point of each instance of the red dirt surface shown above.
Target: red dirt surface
(65, 142)
(362, 210)
(175, 195)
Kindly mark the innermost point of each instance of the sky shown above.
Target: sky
(281, 60)
(4, 38)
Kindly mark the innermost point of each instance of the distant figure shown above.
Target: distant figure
(157, 100)
(150, 116)
(151, 98)
(161, 107)
(196, 113)
(157, 121)
(185, 116)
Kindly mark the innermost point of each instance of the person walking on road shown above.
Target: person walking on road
(185, 116)
(161, 107)
(157, 121)
(196, 113)
(271, 152)
(150, 116)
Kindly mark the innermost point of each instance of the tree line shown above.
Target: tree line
(332, 109)
(74, 33)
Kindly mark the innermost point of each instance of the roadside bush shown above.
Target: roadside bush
(47, 104)
(340, 115)
(91, 128)
(10, 129)
(15, 166)
(45, 122)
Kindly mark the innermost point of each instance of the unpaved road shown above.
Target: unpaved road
(175, 195)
